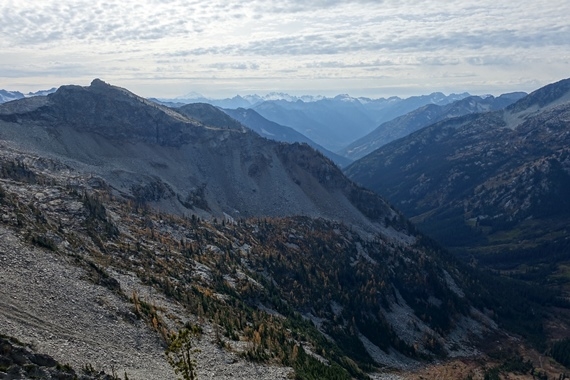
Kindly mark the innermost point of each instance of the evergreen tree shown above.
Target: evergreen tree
(180, 353)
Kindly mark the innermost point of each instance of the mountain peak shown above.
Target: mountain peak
(99, 82)
(191, 95)
(106, 110)
(548, 96)
(6, 96)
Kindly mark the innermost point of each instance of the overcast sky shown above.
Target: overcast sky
(220, 48)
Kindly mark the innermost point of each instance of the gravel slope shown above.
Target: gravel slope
(47, 302)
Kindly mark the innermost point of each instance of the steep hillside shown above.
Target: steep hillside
(493, 185)
(422, 117)
(241, 117)
(210, 115)
(387, 109)
(94, 279)
(154, 154)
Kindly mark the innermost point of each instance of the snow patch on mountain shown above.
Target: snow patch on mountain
(7, 96)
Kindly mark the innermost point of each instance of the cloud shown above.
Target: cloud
(491, 60)
(353, 26)
(345, 65)
(46, 69)
(346, 43)
(321, 38)
(234, 66)
(52, 21)
(301, 6)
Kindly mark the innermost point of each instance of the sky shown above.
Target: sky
(220, 48)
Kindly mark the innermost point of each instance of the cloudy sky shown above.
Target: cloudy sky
(219, 48)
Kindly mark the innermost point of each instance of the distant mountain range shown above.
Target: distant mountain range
(422, 117)
(277, 132)
(239, 101)
(330, 122)
(493, 185)
(7, 96)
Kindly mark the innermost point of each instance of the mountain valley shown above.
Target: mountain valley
(125, 223)
(491, 187)
(331, 123)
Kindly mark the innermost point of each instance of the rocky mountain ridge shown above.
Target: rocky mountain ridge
(154, 154)
(486, 183)
(423, 117)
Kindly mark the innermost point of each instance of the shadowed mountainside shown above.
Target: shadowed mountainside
(493, 185)
(278, 132)
(228, 118)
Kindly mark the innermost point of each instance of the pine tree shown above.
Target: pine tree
(180, 353)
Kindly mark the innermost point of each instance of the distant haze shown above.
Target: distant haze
(220, 48)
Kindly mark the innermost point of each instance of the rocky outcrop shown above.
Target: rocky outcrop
(18, 361)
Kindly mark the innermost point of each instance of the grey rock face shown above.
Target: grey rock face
(18, 361)
(133, 143)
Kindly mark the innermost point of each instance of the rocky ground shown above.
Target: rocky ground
(18, 361)
(49, 303)
(67, 294)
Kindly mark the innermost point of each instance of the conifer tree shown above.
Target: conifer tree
(180, 353)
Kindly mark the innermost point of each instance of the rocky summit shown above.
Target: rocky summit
(154, 154)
